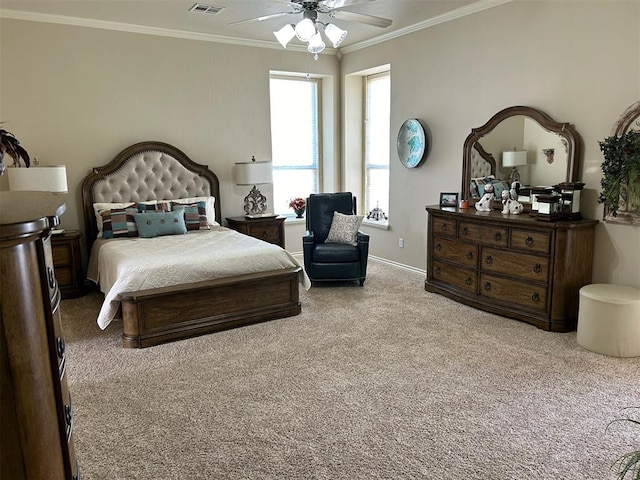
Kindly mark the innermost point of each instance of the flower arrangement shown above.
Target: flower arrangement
(297, 203)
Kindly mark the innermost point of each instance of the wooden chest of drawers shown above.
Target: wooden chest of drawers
(35, 403)
(512, 265)
(68, 263)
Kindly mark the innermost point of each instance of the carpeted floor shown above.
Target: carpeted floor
(386, 381)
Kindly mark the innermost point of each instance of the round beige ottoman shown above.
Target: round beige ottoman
(609, 320)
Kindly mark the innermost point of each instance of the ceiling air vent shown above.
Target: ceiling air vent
(203, 8)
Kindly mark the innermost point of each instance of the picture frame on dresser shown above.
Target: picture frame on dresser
(448, 199)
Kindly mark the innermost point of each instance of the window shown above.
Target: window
(376, 140)
(295, 139)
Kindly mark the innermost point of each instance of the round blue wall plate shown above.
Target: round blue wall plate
(412, 143)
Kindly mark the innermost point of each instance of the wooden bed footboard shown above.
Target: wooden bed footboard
(164, 314)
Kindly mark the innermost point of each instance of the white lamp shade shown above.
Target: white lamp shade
(515, 158)
(38, 179)
(316, 44)
(253, 173)
(305, 29)
(285, 34)
(335, 34)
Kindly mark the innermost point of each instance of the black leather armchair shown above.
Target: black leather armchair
(332, 261)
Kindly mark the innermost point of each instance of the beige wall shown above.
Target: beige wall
(78, 96)
(577, 61)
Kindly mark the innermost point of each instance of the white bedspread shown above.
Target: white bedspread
(126, 265)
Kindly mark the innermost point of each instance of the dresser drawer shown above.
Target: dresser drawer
(484, 234)
(268, 233)
(455, 276)
(444, 226)
(530, 241)
(528, 295)
(531, 267)
(463, 253)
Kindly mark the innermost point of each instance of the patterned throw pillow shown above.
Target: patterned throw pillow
(195, 215)
(144, 207)
(119, 222)
(344, 228)
(161, 223)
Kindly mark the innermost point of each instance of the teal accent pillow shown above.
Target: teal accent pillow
(158, 224)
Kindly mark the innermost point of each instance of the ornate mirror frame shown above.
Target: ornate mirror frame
(566, 131)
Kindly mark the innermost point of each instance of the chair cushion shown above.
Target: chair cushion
(344, 228)
(335, 253)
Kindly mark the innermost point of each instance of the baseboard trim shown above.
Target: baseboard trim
(298, 255)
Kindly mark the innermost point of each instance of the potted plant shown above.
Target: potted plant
(10, 145)
(621, 173)
(298, 204)
(628, 465)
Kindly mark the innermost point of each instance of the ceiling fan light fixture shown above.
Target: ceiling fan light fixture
(305, 29)
(316, 44)
(335, 34)
(285, 34)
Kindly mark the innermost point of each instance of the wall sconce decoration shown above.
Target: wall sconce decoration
(254, 173)
(549, 153)
(514, 159)
(570, 193)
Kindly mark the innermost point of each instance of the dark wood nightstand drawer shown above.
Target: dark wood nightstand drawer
(268, 229)
(67, 263)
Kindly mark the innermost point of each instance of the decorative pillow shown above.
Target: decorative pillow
(100, 207)
(344, 228)
(195, 215)
(161, 223)
(478, 183)
(211, 206)
(145, 207)
(499, 186)
(119, 222)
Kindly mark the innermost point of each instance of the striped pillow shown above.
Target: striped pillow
(195, 215)
(119, 222)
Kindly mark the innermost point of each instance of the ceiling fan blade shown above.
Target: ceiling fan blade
(263, 18)
(333, 4)
(361, 18)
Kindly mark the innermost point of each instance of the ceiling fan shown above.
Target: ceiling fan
(305, 30)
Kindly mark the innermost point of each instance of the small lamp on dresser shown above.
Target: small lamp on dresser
(38, 179)
(254, 173)
(513, 159)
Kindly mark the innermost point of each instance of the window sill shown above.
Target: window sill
(290, 220)
(381, 224)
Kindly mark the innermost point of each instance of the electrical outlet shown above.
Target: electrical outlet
(401, 242)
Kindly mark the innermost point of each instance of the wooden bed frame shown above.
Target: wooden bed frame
(164, 314)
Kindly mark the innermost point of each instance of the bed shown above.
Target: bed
(170, 287)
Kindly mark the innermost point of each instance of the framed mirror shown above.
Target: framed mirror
(520, 142)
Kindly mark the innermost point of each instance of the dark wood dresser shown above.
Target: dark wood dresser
(36, 408)
(511, 265)
(269, 229)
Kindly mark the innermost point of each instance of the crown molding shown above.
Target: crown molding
(472, 8)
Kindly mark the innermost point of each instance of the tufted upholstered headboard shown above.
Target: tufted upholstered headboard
(482, 163)
(146, 171)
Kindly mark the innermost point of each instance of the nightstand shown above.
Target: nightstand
(67, 263)
(269, 229)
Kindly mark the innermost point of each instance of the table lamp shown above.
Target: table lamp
(254, 173)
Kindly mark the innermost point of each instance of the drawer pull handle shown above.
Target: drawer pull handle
(535, 297)
(443, 227)
(264, 234)
(497, 237)
(51, 278)
(468, 281)
(529, 242)
(488, 260)
(60, 347)
(68, 415)
(436, 270)
(537, 268)
(438, 247)
(464, 231)
(487, 286)
(469, 255)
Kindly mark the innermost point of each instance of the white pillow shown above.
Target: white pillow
(211, 207)
(344, 228)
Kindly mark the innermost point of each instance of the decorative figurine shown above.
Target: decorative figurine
(510, 206)
(484, 204)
